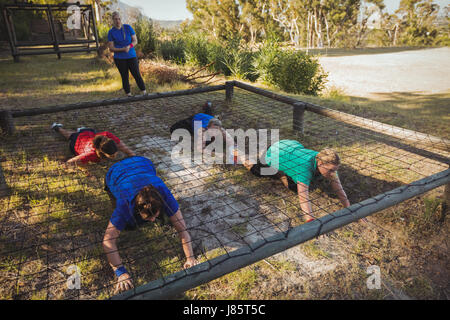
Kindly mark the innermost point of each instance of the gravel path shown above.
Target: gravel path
(425, 70)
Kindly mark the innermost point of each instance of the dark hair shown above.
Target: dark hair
(148, 201)
(104, 145)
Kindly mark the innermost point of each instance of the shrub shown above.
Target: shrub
(217, 54)
(239, 61)
(196, 50)
(264, 61)
(146, 35)
(103, 30)
(290, 70)
(172, 50)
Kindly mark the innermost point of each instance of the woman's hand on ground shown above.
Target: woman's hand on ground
(124, 283)
(190, 262)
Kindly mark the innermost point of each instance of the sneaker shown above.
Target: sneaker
(81, 128)
(56, 126)
(129, 94)
(144, 92)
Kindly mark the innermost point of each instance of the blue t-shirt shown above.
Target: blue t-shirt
(204, 118)
(122, 38)
(125, 179)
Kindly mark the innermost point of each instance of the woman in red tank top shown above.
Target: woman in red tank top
(87, 145)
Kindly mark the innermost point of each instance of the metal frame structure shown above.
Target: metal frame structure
(57, 45)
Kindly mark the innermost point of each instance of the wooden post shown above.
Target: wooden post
(229, 88)
(298, 117)
(4, 189)
(94, 25)
(446, 203)
(9, 27)
(52, 29)
(7, 122)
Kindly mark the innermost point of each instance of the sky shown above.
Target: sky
(176, 9)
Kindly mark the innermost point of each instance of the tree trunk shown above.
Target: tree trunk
(326, 26)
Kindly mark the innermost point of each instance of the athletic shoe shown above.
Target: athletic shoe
(56, 126)
(144, 92)
(81, 128)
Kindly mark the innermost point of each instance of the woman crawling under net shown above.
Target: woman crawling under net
(208, 127)
(87, 145)
(296, 167)
(139, 196)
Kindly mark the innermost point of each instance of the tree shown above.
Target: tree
(418, 21)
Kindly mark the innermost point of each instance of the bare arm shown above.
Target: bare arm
(114, 49)
(337, 188)
(303, 197)
(76, 160)
(124, 148)
(179, 224)
(112, 254)
(134, 40)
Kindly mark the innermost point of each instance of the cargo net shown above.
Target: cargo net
(52, 218)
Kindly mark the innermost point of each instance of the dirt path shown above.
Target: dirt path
(423, 70)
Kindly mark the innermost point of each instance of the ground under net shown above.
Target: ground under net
(52, 217)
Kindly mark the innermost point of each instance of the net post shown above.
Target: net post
(298, 117)
(229, 91)
(446, 203)
(7, 122)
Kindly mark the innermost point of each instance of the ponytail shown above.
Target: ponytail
(104, 146)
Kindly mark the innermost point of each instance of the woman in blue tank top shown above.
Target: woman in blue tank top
(139, 196)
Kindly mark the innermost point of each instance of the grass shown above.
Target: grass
(45, 199)
(44, 80)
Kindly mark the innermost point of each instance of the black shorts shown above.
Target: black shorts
(187, 124)
(256, 170)
(73, 139)
(183, 124)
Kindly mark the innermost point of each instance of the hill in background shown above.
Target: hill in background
(130, 13)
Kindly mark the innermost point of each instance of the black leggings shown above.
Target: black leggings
(133, 65)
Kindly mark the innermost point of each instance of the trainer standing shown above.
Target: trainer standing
(122, 40)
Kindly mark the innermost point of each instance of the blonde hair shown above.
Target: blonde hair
(115, 13)
(329, 156)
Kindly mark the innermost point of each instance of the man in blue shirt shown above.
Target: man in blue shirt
(122, 40)
(140, 196)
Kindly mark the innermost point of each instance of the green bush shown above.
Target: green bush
(172, 50)
(196, 50)
(146, 35)
(290, 70)
(240, 63)
(264, 61)
(217, 54)
(103, 30)
(232, 59)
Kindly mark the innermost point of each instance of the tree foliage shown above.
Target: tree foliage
(316, 23)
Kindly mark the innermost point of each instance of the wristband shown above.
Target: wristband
(120, 271)
(131, 45)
